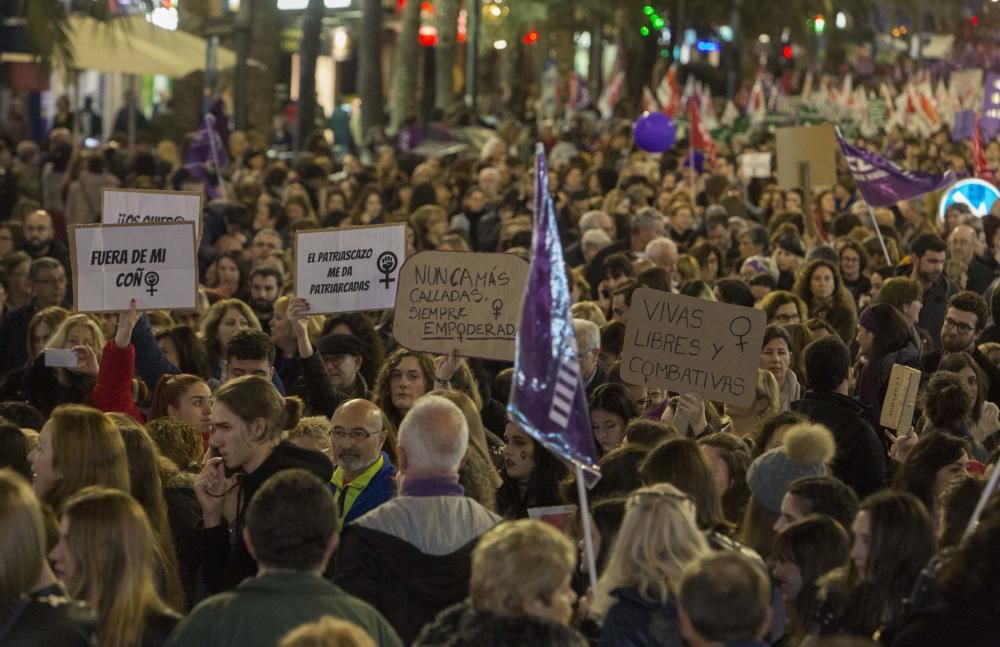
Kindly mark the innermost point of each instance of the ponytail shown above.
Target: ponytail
(294, 407)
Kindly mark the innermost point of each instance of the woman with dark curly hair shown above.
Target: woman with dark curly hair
(531, 475)
(228, 277)
(404, 377)
(822, 289)
(935, 460)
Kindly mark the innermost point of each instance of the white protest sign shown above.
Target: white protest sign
(140, 207)
(755, 164)
(348, 270)
(693, 345)
(154, 264)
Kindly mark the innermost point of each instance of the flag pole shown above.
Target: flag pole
(588, 540)
(878, 232)
(974, 521)
(210, 122)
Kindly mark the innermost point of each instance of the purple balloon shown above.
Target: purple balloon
(654, 132)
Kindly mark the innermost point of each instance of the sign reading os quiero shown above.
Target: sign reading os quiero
(153, 264)
(135, 207)
(693, 345)
(461, 301)
(348, 270)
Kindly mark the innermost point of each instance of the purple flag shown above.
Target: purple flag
(965, 122)
(547, 398)
(206, 157)
(882, 183)
(989, 121)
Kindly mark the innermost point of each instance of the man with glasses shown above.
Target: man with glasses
(963, 324)
(48, 288)
(365, 477)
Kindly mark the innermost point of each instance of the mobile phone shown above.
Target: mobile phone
(228, 472)
(61, 358)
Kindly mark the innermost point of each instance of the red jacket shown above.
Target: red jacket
(113, 391)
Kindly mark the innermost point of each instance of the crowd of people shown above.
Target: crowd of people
(251, 473)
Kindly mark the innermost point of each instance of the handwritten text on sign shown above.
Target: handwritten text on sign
(693, 345)
(121, 207)
(460, 301)
(154, 264)
(347, 270)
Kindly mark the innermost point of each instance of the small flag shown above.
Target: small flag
(547, 398)
(882, 183)
(700, 137)
(206, 157)
(982, 170)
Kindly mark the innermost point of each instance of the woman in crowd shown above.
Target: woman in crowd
(228, 277)
(223, 320)
(984, 414)
(853, 263)
(802, 553)
(359, 325)
(935, 460)
(730, 458)
(776, 357)
(286, 361)
(770, 431)
(186, 398)
(766, 402)
(783, 307)
(947, 406)
(33, 608)
(45, 387)
(820, 287)
(606, 518)
(711, 262)
(893, 539)
(636, 594)
(106, 556)
(884, 340)
(404, 377)
(182, 347)
(78, 446)
(611, 409)
(531, 475)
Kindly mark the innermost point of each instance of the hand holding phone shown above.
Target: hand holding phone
(61, 358)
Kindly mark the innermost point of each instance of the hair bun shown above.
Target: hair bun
(810, 443)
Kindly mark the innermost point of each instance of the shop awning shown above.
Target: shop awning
(132, 45)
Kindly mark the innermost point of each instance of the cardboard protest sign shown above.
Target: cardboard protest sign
(691, 345)
(461, 301)
(348, 270)
(900, 398)
(561, 517)
(135, 207)
(153, 264)
(755, 164)
(811, 145)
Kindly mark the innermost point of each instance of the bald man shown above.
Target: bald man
(365, 477)
(961, 247)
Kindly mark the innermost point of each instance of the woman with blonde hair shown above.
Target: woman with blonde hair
(106, 556)
(45, 387)
(77, 446)
(33, 608)
(766, 402)
(637, 592)
(286, 361)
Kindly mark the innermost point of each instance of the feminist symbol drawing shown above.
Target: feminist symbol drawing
(497, 308)
(739, 327)
(152, 279)
(386, 264)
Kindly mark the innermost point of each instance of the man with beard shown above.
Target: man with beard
(39, 239)
(962, 247)
(48, 288)
(365, 477)
(265, 288)
(963, 324)
(928, 253)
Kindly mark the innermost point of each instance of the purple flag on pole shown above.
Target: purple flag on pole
(206, 157)
(882, 183)
(547, 398)
(989, 120)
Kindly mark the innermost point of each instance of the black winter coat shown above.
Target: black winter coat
(634, 621)
(463, 626)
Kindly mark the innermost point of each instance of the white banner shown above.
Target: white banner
(140, 207)
(153, 264)
(349, 270)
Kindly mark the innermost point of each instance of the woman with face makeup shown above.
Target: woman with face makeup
(531, 475)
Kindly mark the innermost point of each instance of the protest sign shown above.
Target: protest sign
(755, 164)
(461, 301)
(135, 207)
(691, 345)
(806, 148)
(153, 264)
(900, 398)
(965, 86)
(989, 121)
(349, 270)
(561, 517)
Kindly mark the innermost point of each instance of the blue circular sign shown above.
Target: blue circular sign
(977, 195)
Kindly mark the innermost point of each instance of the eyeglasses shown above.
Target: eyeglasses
(356, 435)
(963, 328)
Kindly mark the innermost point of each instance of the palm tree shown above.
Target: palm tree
(305, 117)
(403, 102)
(447, 29)
(370, 67)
